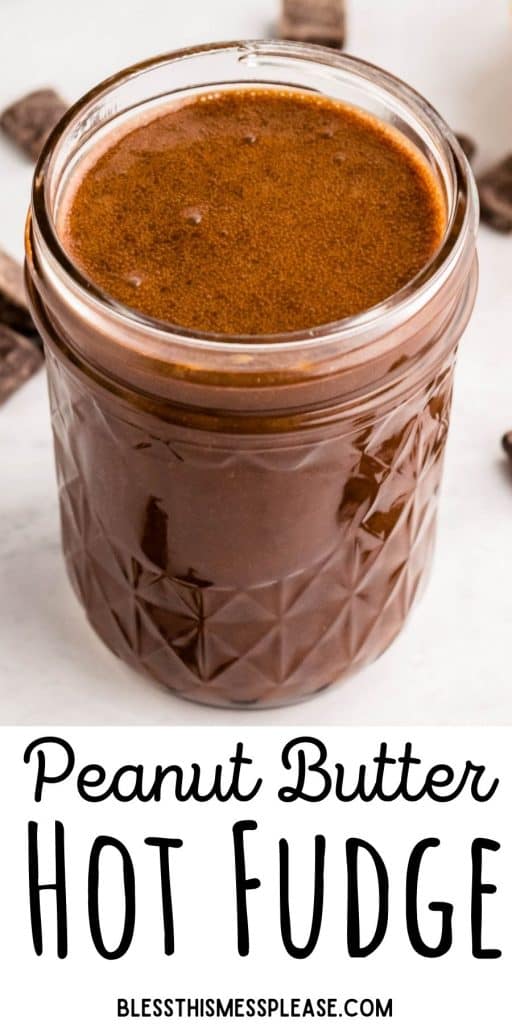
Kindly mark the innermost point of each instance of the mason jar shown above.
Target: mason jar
(249, 519)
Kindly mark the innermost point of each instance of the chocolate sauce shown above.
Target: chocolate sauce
(255, 212)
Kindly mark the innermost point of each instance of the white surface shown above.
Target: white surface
(454, 989)
(453, 663)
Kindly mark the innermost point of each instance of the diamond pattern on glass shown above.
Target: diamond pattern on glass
(233, 641)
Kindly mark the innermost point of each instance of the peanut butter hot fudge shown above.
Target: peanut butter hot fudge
(250, 297)
(255, 212)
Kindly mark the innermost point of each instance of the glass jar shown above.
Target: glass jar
(247, 520)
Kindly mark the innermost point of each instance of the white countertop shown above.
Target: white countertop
(453, 663)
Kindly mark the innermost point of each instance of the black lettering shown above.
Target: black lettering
(288, 794)
(355, 949)
(101, 843)
(42, 777)
(479, 889)
(89, 777)
(479, 771)
(164, 845)
(445, 909)
(35, 889)
(301, 952)
(243, 883)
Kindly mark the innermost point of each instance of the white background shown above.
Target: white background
(83, 988)
(452, 664)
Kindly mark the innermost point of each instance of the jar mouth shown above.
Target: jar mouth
(252, 56)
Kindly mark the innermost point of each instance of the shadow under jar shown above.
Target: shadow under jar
(248, 520)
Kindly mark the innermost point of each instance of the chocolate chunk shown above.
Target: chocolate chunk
(314, 21)
(468, 145)
(495, 188)
(507, 443)
(13, 304)
(19, 359)
(29, 121)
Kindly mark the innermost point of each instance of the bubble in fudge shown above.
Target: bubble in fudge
(193, 215)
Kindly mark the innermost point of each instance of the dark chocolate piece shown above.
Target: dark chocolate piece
(29, 121)
(19, 359)
(495, 189)
(468, 145)
(507, 443)
(314, 21)
(13, 303)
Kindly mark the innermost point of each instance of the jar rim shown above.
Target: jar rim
(348, 333)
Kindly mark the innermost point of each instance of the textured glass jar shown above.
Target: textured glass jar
(249, 519)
